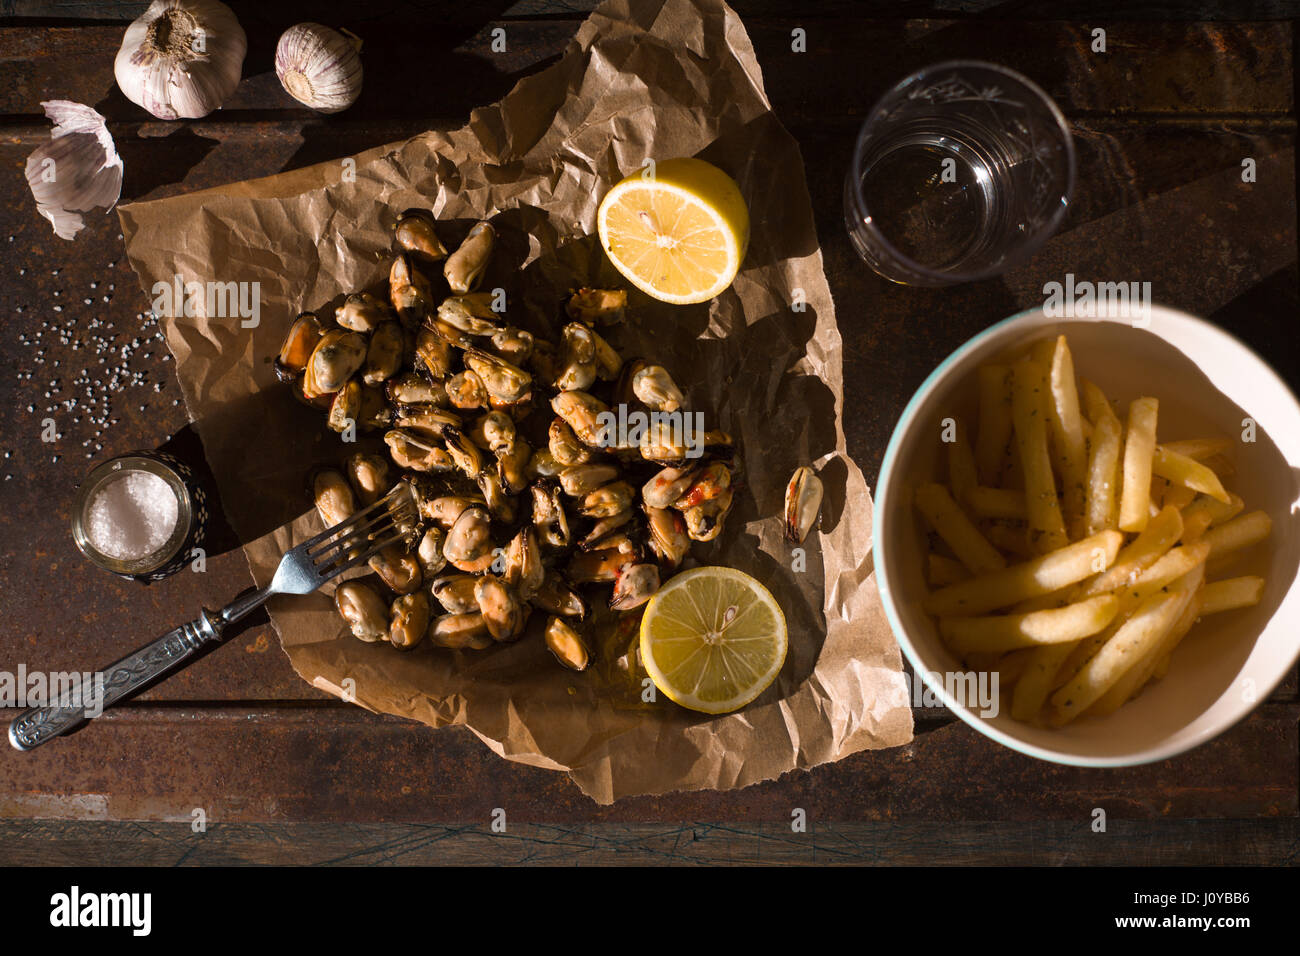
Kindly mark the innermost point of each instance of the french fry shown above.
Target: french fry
(1103, 470)
(1205, 512)
(1041, 575)
(1173, 564)
(942, 571)
(1095, 403)
(1139, 447)
(1158, 537)
(1231, 593)
(1187, 472)
(996, 503)
(1157, 496)
(1199, 449)
(1130, 683)
(1134, 640)
(1180, 496)
(1238, 533)
(1044, 602)
(1067, 436)
(1029, 422)
(1037, 680)
(1012, 665)
(1014, 476)
(1013, 538)
(961, 465)
(971, 548)
(993, 443)
(1007, 632)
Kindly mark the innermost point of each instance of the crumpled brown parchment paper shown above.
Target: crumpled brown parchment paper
(653, 79)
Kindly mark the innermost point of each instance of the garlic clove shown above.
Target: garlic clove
(77, 170)
(182, 58)
(319, 67)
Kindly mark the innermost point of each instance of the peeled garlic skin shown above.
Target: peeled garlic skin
(77, 170)
(319, 67)
(160, 69)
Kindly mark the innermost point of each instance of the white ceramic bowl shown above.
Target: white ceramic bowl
(1207, 383)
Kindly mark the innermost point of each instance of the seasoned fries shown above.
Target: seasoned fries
(972, 548)
(1139, 448)
(1029, 421)
(1006, 632)
(1068, 435)
(993, 443)
(1187, 472)
(1081, 542)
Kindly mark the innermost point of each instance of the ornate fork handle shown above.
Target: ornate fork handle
(167, 653)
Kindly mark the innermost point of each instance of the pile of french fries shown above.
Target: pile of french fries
(1070, 552)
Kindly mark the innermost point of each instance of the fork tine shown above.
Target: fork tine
(361, 537)
(345, 523)
(352, 529)
(327, 572)
(398, 494)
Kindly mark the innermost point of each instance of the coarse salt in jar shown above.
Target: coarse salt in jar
(140, 515)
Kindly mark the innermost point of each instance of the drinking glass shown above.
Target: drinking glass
(961, 171)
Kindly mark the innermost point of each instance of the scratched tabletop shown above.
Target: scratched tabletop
(236, 759)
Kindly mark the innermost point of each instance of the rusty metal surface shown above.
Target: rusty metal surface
(1161, 124)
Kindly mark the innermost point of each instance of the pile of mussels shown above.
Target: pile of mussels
(515, 513)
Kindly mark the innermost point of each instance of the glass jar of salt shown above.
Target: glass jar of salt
(140, 515)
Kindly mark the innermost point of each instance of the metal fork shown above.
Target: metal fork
(301, 571)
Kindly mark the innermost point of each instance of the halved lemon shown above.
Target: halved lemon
(713, 639)
(678, 235)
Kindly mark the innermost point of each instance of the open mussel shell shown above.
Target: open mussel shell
(803, 502)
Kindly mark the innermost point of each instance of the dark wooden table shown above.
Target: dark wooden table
(284, 773)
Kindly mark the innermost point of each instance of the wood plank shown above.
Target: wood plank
(1152, 67)
(336, 763)
(1049, 843)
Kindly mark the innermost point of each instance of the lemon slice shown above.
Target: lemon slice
(678, 235)
(713, 639)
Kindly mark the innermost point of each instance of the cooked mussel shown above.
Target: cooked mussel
(383, 354)
(461, 631)
(333, 496)
(337, 357)
(469, 542)
(368, 475)
(566, 644)
(471, 313)
(363, 609)
(503, 613)
(409, 620)
(303, 337)
(411, 388)
(397, 568)
(361, 312)
(605, 306)
(417, 452)
(455, 592)
(464, 267)
(409, 291)
(415, 233)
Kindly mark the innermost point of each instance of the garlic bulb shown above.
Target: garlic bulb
(77, 170)
(319, 67)
(182, 58)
